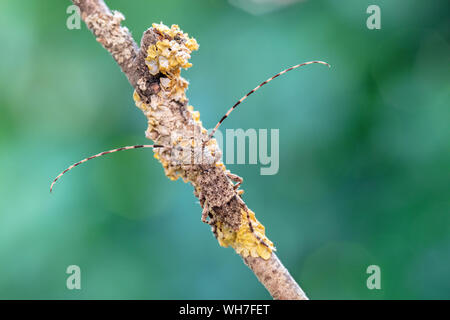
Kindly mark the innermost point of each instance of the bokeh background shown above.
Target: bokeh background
(364, 152)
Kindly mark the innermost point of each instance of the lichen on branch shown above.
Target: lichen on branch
(160, 94)
(190, 153)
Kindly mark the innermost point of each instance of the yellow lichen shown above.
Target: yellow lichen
(171, 53)
(244, 241)
(168, 55)
(221, 165)
(196, 115)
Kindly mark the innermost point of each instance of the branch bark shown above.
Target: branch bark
(168, 112)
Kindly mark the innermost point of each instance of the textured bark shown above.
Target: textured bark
(276, 278)
(116, 39)
(210, 184)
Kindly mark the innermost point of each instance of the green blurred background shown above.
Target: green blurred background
(364, 153)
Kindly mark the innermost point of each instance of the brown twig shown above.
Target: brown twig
(221, 202)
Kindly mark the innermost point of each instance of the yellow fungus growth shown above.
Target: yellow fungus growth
(221, 165)
(244, 241)
(168, 55)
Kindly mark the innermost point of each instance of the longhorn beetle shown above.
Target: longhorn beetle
(233, 177)
(206, 212)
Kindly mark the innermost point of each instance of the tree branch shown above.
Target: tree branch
(154, 72)
(105, 25)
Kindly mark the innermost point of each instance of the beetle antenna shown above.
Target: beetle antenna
(102, 154)
(263, 83)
